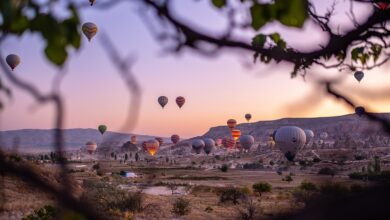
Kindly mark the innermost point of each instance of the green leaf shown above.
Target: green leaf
(56, 54)
(292, 13)
(219, 3)
(261, 14)
(259, 40)
(355, 53)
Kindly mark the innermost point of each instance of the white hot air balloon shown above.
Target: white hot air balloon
(289, 139)
(89, 29)
(91, 147)
(209, 145)
(246, 141)
(309, 135)
(198, 145)
(12, 60)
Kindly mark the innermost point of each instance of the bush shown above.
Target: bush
(249, 211)
(208, 209)
(45, 213)
(359, 157)
(261, 187)
(253, 166)
(327, 171)
(383, 176)
(271, 163)
(316, 160)
(224, 168)
(308, 186)
(181, 207)
(231, 194)
(288, 178)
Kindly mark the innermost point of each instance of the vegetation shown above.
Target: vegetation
(224, 168)
(181, 207)
(261, 187)
(198, 177)
(231, 194)
(327, 171)
(288, 178)
(308, 186)
(383, 176)
(45, 213)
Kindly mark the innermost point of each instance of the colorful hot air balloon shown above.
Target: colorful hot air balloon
(248, 117)
(102, 129)
(246, 141)
(360, 111)
(180, 101)
(359, 75)
(160, 140)
(89, 29)
(91, 1)
(133, 139)
(218, 142)
(175, 138)
(289, 139)
(209, 145)
(236, 134)
(91, 147)
(228, 143)
(231, 123)
(162, 100)
(382, 5)
(309, 135)
(151, 146)
(198, 145)
(12, 60)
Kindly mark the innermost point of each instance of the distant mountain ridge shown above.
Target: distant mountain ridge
(42, 139)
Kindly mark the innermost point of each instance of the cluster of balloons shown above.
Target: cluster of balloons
(163, 101)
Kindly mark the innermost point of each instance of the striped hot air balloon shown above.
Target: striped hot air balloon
(160, 140)
(162, 100)
(175, 138)
(236, 134)
(382, 5)
(228, 143)
(89, 29)
(180, 101)
(151, 146)
(133, 139)
(12, 60)
(231, 123)
(91, 147)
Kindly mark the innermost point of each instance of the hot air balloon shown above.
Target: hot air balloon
(12, 60)
(209, 145)
(323, 135)
(175, 138)
(151, 146)
(236, 134)
(360, 111)
(231, 123)
(162, 100)
(89, 29)
(381, 5)
(228, 143)
(248, 117)
(289, 139)
(133, 139)
(160, 140)
(218, 142)
(91, 1)
(246, 141)
(359, 75)
(180, 101)
(198, 145)
(91, 147)
(102, 129)
(309, 135)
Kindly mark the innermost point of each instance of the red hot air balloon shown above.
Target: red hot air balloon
(180, 101)
(151, 146)
(248, 117)
(228, 143)
(175, 138)
(231, 123)
(382, 5)
(236, 134)
(160, 140)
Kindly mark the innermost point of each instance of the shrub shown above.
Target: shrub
(249, 211)
(96, 166)
(208, 209)
(316, 160)
(271, 163)
(181, 207)
(327, 171)
(308, 186)
(253, 166)
(359, 157)
(261, 187)
(231, 194)
(224, 168)
(288, 178)
(45, 213)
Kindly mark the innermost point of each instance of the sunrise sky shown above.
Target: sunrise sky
(216, 89)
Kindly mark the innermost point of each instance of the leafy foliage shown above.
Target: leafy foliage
(232, 194)
(45, 213)
(261, 187)
(181, 207)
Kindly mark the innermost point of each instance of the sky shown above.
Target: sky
(216, 89)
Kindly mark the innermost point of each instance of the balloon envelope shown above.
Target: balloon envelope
(359, 75)
(175, 138)
(231, 123)
(91, 147)
(309, 135)
(289, 139)
(102, 129)
(218, 142)
(198, 145)
(360, 111)
(162, 100)
(246, 141)
(12, 60)
(236, 134)
(89, 29)
(228, 143)
(248, 117)
(209, 145)
(382, 5)
(160, 140)
(151, 146)
(180, 101)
